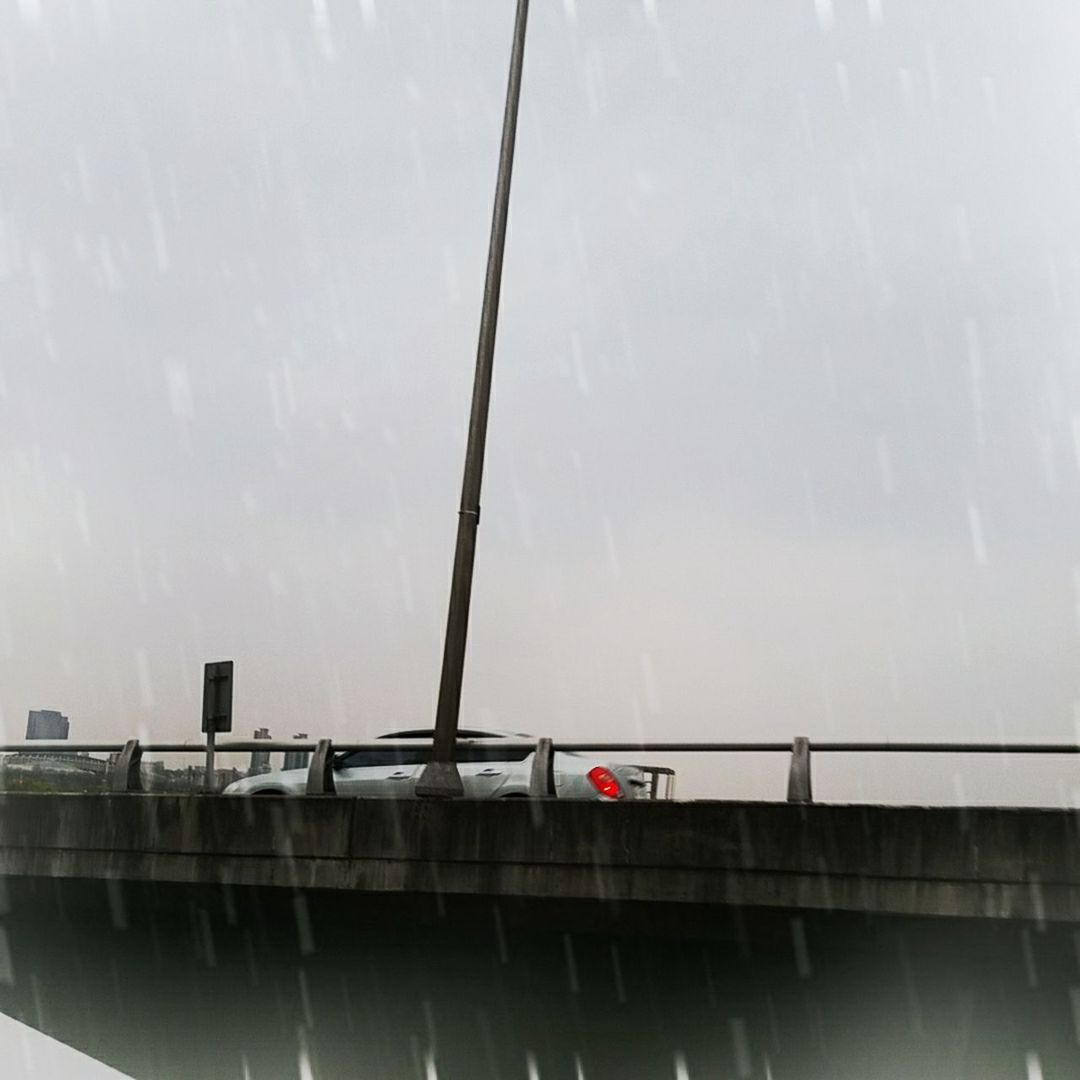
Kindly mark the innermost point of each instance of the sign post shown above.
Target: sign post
(216, 710)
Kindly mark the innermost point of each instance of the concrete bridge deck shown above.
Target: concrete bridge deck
(974, 862)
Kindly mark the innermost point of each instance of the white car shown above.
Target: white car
(487, 772)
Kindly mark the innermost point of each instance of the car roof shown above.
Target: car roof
(464, 733)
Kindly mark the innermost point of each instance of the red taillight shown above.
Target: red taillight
(605, 782)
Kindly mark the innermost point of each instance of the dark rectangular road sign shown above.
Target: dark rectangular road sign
(217, 697)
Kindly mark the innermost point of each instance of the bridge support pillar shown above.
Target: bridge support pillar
(798, 787)
(320, 777)
(127, 772)
(542, 776)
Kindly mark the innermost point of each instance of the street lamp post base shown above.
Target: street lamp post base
(440, 780)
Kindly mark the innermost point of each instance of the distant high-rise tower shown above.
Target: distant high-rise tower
(47, 724)
(297, 759)
(260, 759)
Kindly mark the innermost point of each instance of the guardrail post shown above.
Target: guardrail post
(542, 776)
(320, 775)
(127, 772)
(798, 785)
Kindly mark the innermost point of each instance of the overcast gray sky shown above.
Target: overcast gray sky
(786, 426)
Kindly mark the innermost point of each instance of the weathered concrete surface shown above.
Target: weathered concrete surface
(170, 981)
(981, 862)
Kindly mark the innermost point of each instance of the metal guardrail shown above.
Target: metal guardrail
(126, 774)
(567, 745)
(655, 773)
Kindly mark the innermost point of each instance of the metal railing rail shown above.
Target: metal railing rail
(568, 746)
(126, 774)
(654, 773)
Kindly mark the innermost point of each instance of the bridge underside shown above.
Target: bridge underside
(973, 862)
(167, 980)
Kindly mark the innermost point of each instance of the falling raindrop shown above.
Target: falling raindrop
(975, 369)
(320, 18)
(978, 539)
(1074, 1003)
(802, 951)
(305, 935)
(571, 964)
(648, 676)
(30, 10)
(500, 936)
(117, 908)
(7, 967)
(741, 1043)
(305, 999)
(39, 276)
(146, 686)
(990, 99)
(616, 967)
(963, 234)
(609, 543)
(304, 1058)
(843, 81)
(885, 465)
(161, 245)
(82, 517)
(207, 939)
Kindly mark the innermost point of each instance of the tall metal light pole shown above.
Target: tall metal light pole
(440, 777)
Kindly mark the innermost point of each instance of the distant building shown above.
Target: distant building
(297, 759)
(57, 763)
(260, 759)
(47, 724)
(224, 777)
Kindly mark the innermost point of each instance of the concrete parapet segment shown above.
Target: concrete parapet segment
(974, 862)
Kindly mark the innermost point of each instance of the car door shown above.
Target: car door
(378, 773)
(488, 772)
(483, 770)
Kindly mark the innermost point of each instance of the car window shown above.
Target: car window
(468, 753)
(422, 754)
(428, 733)
(366, 759)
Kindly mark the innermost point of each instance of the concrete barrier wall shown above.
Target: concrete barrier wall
(987, 862)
